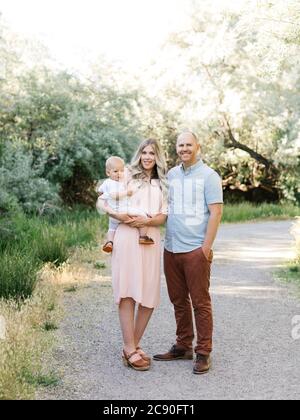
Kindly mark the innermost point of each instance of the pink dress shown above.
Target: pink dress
(136, 268)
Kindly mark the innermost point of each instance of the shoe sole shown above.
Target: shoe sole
(108, 251)
(141, 369)
(201, 373)
(175, 358)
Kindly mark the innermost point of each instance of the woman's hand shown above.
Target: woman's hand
(123, 218)
(138, 222)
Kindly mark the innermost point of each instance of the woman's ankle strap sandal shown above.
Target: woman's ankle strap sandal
(143, 354)
(140, 364)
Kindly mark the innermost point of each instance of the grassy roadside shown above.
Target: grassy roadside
(38, 262)
(26, 340)
(26, 244)
(291, 274)
(246, 212)
(40, 259)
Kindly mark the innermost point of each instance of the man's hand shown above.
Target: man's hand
(206, 251)
(215, 217)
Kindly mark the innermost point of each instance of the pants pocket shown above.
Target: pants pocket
(210, 257)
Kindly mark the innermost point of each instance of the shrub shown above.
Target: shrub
(21, 183)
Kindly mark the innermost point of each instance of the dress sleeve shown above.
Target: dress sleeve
(164, 206)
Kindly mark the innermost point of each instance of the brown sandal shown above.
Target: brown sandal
(140, 365)
(108, 247)
(146, 240)
(143, 355)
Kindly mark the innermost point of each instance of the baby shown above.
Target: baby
(115, 192)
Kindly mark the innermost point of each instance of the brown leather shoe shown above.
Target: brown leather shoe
(201, 365)
(175, 353)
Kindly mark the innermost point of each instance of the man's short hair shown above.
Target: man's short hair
(188, 131)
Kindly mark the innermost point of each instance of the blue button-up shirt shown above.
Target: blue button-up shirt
(191, 191)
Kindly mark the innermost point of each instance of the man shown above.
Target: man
(195, 212)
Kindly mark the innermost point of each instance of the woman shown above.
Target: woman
(136, 268)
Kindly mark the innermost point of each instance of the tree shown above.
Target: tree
(62, 128)
(240, 82)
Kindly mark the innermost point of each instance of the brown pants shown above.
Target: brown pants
(188, 279)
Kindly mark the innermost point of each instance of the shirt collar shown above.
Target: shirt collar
(193, 167)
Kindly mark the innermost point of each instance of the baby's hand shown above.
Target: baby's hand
(130, 193)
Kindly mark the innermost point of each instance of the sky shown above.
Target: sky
(128, 31)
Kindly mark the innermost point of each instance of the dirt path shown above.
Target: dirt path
(254, 355)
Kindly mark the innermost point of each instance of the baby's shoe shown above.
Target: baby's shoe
(108, 247)
(146, 240)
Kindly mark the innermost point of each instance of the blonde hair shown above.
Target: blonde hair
(160, 169)
(110, 162)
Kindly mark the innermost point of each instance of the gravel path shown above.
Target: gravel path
(254, 356)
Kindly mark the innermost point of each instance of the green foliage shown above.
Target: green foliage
(21, 184)
(234, 79)
(56, 132)
(26, 243)
(237, 84)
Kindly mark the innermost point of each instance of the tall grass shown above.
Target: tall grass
(51, 246)
(18, 275)
(26, 342)
(234, 213)
(28, 242)
(30, 286)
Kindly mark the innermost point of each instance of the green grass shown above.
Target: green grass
(99, 265)
(28, 242)
(18, 274)
(49, 326)
(50, 380)
(51, 246)
(71, 289)
(244, 212)
(51, 307)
